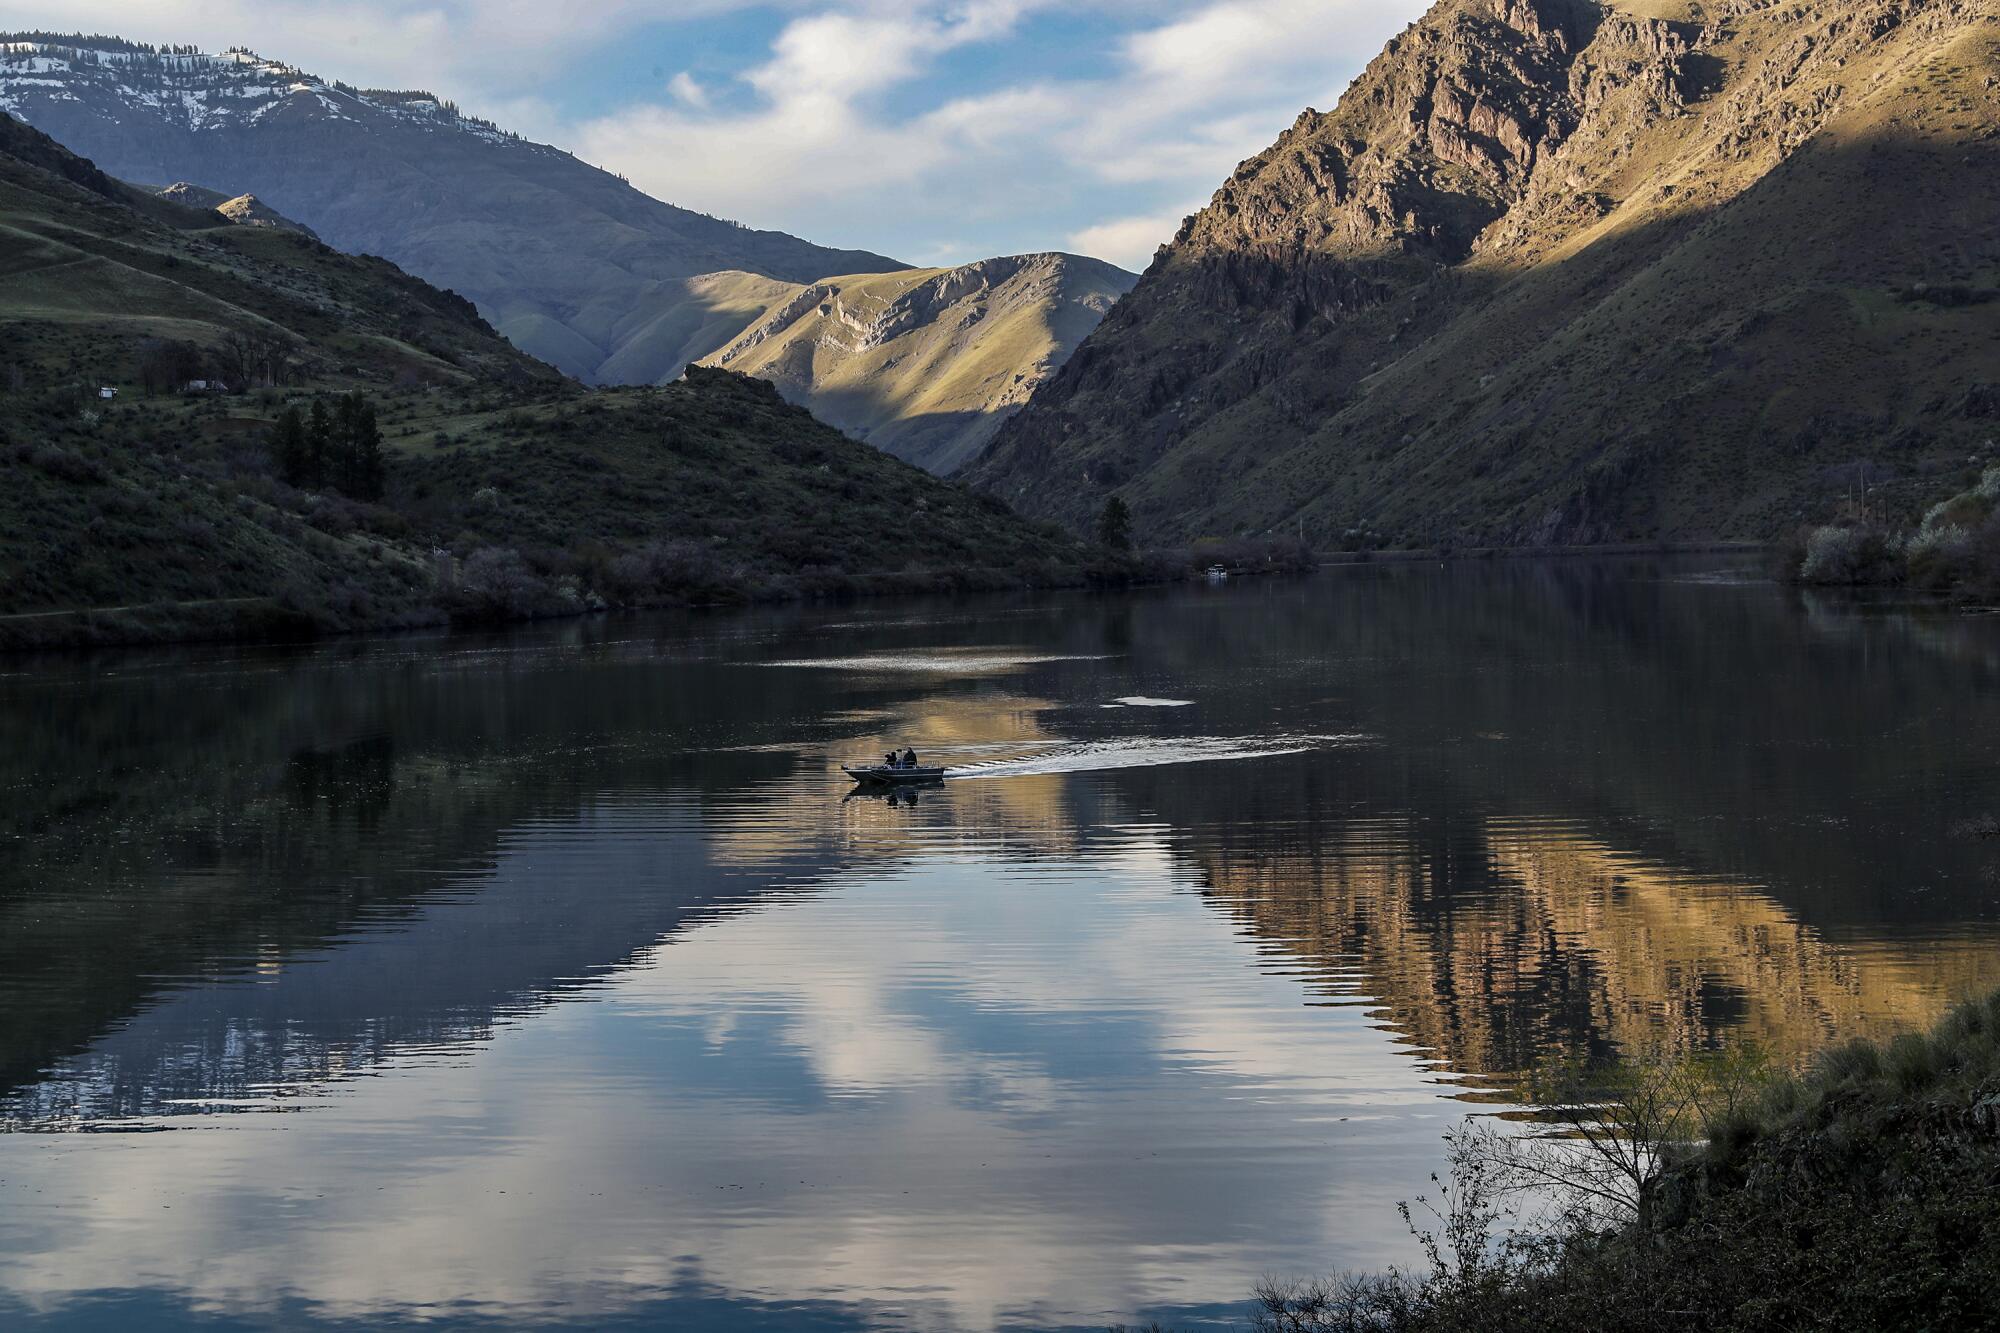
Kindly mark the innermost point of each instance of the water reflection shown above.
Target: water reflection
(556, 978)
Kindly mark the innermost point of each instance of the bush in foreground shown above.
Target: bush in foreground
(1863, 1195)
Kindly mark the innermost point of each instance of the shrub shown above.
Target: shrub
(677, 570)
(1961, 511)
(1837, 556)
(1938, 557)
(498, 585)
(64, 465)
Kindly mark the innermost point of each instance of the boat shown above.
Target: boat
(883, 775)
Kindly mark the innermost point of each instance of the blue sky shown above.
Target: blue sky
(937, 131)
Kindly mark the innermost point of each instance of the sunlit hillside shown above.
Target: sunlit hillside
(927, 363)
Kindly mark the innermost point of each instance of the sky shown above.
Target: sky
(934, 131)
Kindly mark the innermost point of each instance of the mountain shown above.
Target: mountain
(147, 349)
(569, 262)
(926, 363)
(1556, 272)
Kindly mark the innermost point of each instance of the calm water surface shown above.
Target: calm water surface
(549, 980)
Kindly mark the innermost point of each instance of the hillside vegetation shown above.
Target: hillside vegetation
(1559, 272)
(926, 363)
(510, 491)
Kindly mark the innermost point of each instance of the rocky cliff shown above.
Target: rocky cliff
(1558, 272)
(927, 363)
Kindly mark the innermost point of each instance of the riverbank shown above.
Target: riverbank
(515, 596)
(507, 592)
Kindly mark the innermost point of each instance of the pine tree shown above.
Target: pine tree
(341, 470)
(319, 445)
(1114, 525)
(288, 446)
(365, 445)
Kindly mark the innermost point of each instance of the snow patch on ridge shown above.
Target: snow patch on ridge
(202, 92)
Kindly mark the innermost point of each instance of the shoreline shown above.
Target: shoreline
(266, 620)
(1601, 550)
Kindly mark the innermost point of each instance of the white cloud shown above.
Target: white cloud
(1106, 159)
(1127, 242)
(687, 90)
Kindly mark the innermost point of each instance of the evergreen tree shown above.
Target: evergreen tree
(288, 446)
(319, 445)
(341, 469)
(1114, 525)
(369, 469)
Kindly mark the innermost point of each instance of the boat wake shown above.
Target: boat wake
(1148, 752)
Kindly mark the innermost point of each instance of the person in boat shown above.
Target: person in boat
(889, 760)
(910, 758)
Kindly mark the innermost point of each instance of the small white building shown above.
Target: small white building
(107, 393)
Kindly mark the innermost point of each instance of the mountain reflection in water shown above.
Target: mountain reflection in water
(550, 978)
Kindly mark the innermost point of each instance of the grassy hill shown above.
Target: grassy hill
(162, 513)
(1559, 272)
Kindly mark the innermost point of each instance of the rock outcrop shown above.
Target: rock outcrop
(243, 210)
(1561, 272)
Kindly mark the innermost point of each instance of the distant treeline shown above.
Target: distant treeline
(95, 41)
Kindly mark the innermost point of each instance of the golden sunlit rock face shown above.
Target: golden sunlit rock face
(1569, 945)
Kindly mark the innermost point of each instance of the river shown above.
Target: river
(554, 978)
